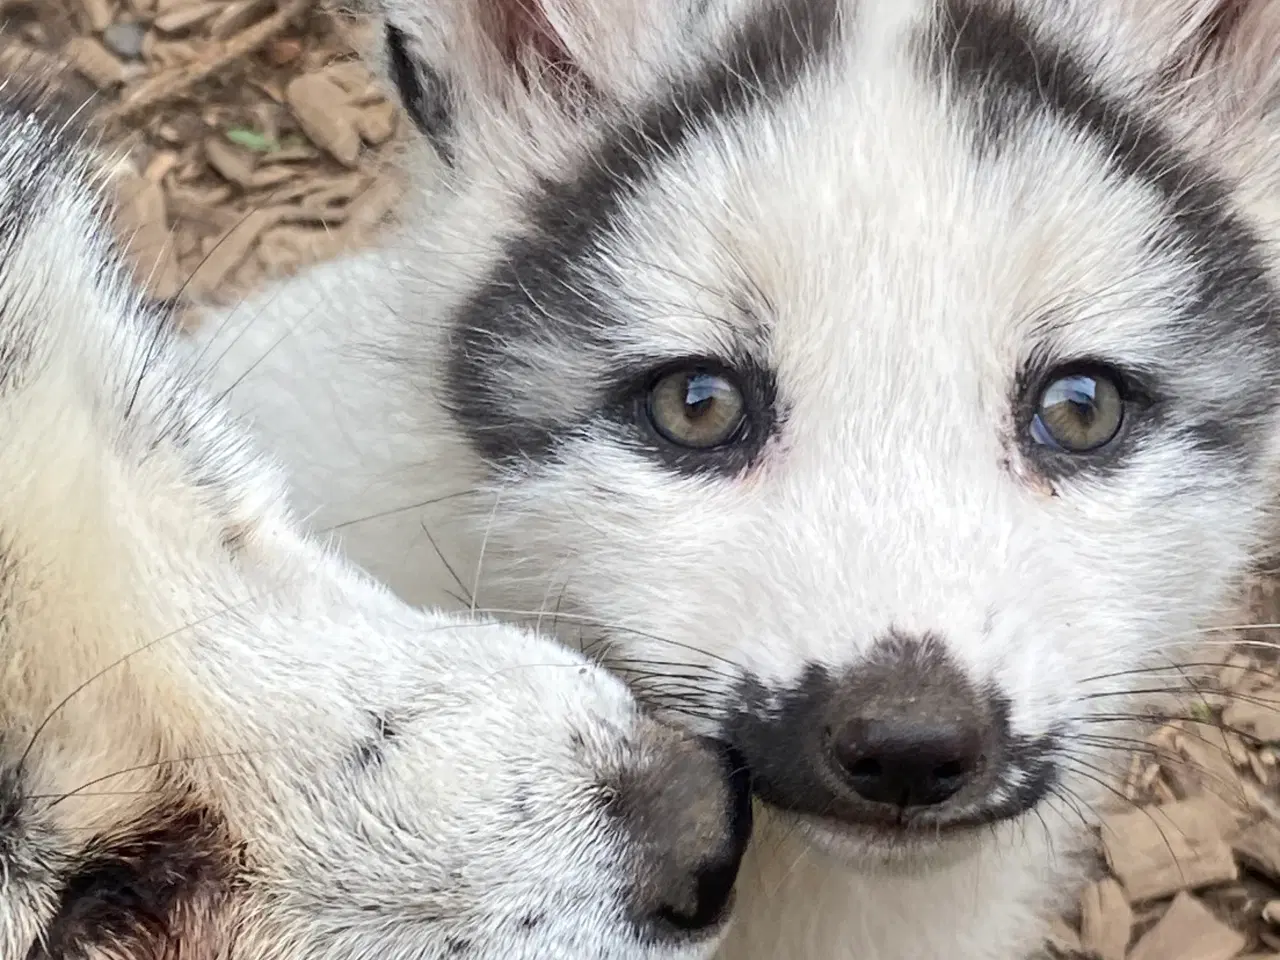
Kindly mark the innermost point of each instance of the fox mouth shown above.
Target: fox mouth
(905, 849)
(1018, 792)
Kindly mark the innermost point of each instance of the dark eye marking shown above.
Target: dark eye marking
(697, 415)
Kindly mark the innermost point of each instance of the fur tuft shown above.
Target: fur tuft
(899, 245)
(220, 740)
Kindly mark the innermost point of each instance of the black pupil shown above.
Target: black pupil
(1086, 411)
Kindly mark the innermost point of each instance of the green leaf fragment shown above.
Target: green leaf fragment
(1201, 711)
(252, 140)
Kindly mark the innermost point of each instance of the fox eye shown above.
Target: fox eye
(1080, 411)
(696, 408)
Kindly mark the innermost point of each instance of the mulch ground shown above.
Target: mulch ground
(252, 143)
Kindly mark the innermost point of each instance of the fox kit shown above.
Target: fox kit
(882, 386)
(219, 741)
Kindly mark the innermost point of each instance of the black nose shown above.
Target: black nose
(712, 891)
(714, 878)
(688, 814)
(905, 762)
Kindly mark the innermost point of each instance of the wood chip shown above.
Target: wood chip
(1148, 778)
(1062, 940)
(322, 190)
(1206, 765)
(186, 17)
(296, 153)
(320, 107)
(372, 207)
(95, 62)
(1131, 777)
(200, 196)
(174, 82)
(325, 216)
(1189, 931)
(285, 248)
(1259, 848)
(1232, 675)
(161, 165)
(143, 222)
(377, 122)
(170, 55)
(217, 218)
(232, 162)
(1159, 850)
(237, 16)
(1259, 715)
(98, 14)
(272, 176)
(284, 51)
(353, 77)
(1106, 920)
(1237, 750)
(1260, 770)
(229, 251)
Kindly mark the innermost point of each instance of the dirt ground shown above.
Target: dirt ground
(253, 144)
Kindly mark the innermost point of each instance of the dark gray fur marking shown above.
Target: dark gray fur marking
(1004, 71)
(28, 849)
(533, 294)
(147, 891)
(782, 734)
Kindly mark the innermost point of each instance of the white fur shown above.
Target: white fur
(902, 282)
(171, 644)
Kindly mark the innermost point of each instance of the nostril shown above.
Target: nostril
(866, 769)
(951, 768)
(906, 764)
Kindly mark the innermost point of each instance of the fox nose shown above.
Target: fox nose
(904, 735)
(687, 809)
(907, 761)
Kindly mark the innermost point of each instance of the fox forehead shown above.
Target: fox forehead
(892, 245)
(971, 197)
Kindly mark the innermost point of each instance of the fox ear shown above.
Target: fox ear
(1250, 52)
(1226, 53)
(455, 61)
